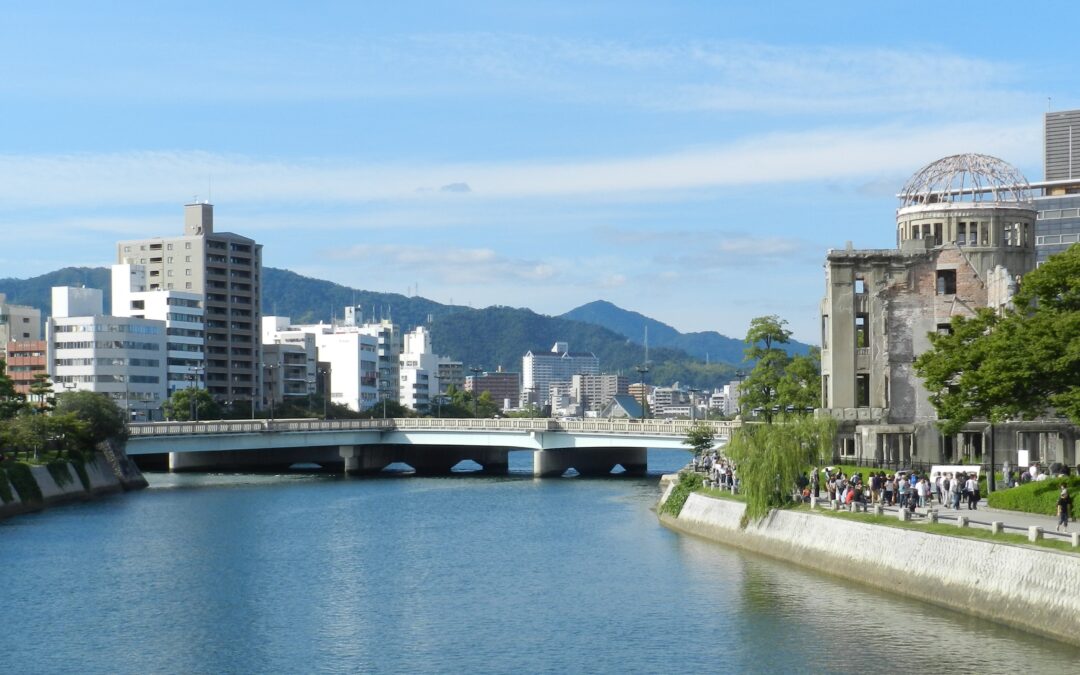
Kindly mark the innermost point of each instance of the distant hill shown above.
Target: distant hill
(704, 345)
(486, 338)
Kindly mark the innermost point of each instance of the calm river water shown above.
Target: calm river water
(305, 573)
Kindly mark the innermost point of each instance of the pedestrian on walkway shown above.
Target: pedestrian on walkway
(971, 488)
(1064, 508)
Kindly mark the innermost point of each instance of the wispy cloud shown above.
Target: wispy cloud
(826, 154)
(460, 265)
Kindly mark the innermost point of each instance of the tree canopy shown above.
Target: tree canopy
(1020, 364)
(778, 382)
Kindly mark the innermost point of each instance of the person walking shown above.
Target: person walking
(1064, 508)
(971, 487)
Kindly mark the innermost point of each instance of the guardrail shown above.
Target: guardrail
(619, 427)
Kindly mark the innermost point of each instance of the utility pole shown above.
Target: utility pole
(642, 370)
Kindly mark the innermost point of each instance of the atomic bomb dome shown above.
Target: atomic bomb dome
(969, 178)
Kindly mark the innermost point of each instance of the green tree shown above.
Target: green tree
(184, 402)
(778, 383)
(41, 389)
(1021, 364)
(700, 438)
(11, 401)
(770, 457)
(104, 419)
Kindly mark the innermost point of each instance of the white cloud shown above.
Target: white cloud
(825, 154)
(457, 265)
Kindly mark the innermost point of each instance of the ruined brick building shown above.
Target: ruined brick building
(965, 233)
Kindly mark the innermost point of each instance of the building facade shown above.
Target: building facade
(182, 313)
(18, 322)
(121, 357)
(503, 387)
(959, 249)
(594, 392)
(226, 269)
(539, 370)
(25, 360)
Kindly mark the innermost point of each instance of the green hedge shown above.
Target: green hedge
(688, 483)
(1035, 497)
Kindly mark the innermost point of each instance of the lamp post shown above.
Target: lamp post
(475, 387)
(270, 372)
(642, 370)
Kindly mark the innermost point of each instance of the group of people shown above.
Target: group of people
(720, 471)
(907, 490)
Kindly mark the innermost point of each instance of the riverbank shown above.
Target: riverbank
(33, 488)
(1024, 587)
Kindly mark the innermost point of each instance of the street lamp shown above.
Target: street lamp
(475, 387)
(642, 370)
(326, 389)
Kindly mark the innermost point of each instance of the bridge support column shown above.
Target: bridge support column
(494, 460)
(590, 461)
(365, 459)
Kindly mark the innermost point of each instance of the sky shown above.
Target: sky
(690, 161)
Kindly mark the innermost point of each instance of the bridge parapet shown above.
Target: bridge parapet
(722, 429)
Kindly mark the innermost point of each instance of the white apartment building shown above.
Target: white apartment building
(731, 397)
(182, 312)
(540, 369)
(352, 356)
(419, 371)
(122, 357)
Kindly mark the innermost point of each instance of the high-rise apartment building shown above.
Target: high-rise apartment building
(226, 268)
(503, 387)
(594, 392)
(540, 369)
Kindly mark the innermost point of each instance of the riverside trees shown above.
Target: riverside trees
(1020, 364)
(771, 456)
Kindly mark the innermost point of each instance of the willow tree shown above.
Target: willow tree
(771, 457)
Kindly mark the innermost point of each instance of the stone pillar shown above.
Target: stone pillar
(1035, 533)
(879, 510)
(903, 515)
(931, 516)
(961, 521)
(997, 527)
(350, 455)
(1076, 539)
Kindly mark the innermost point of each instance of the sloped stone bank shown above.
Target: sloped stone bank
(1028, 588)
(106, 473)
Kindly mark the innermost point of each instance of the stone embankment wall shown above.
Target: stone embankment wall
(107, 473)
(1028, 588)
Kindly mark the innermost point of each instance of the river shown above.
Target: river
(241, 573)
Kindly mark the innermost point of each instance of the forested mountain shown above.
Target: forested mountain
(500, 336)
(703, 345)
(486, 338)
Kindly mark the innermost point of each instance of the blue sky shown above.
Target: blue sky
(690, 161)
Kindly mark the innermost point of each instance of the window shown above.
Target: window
(187, 258)
(944, 329)
(169, 260)
(862, 391)
(825, 331)
(946, 282)
(824, 391)
(961, 234)
(187, 244)
(860, 285)
(187, 272)
(862, 331)
(187, 284)
(169, 247)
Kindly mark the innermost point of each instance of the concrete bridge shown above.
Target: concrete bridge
(428, 445)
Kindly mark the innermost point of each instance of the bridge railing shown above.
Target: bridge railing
(605, 426)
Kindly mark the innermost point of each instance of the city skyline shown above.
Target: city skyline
(690, 163)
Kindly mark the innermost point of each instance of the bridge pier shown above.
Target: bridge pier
(589, 461)
(365, 459)
(269, 459)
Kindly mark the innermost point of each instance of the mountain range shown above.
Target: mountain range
(486, 338)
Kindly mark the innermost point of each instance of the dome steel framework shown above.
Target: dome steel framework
(966, 178)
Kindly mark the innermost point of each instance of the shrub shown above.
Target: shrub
(688, 483)
(1035, 497)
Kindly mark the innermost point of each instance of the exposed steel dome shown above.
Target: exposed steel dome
(966, 178)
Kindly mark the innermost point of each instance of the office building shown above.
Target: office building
(226, 269)
(503, 387)
(1057, 198)
(25, 360)
(121, 357)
